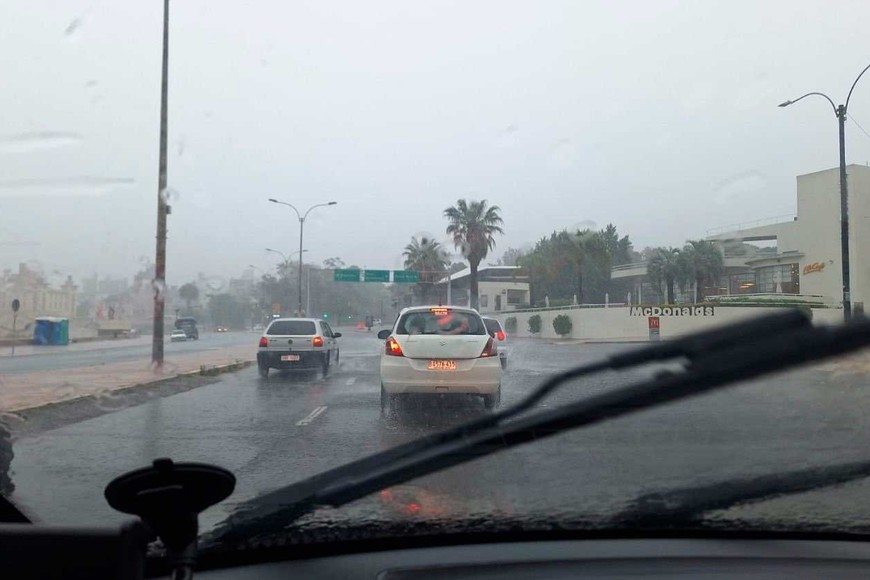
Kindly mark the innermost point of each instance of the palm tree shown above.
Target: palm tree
(704, 264)
(665, 266)
(189, 293)
(473, 225)
(427, 257)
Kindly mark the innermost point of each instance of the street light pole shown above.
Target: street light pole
(283, 257)
(301, 227)
(844, 217)
(162, 206)
(840, 113)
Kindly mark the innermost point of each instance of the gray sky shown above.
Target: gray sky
(659, 117)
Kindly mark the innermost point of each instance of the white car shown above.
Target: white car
(298, 343)
(439, 350)
(493, 326)
(178, 336)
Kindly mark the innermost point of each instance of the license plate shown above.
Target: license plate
(289, 357)
(442, 365)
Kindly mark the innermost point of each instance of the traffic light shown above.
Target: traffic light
(326, 316)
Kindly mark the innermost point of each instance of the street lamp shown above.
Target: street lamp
(840, 113)
(301, 227)
(283, 255)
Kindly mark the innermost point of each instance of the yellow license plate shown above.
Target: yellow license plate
(442, 365)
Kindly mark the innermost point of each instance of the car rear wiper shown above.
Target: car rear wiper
(682, 507)
(743, 350)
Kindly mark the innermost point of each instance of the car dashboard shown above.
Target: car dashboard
(589, 559)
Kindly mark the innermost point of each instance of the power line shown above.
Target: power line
(857, 124)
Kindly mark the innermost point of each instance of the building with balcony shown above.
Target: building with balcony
(798, 256)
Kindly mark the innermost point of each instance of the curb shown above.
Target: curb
(204, 370)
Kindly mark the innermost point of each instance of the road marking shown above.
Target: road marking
(312, 416)
(351, 381)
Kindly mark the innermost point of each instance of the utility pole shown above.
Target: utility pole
(162, 207)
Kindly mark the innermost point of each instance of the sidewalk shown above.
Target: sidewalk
(28, 390)
(30, 349)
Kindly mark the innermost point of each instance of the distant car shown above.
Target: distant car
(378, 322)
(439, 350)
(178, 335)
(258, 328)
(298, 343)
(221, 329)
(493, 326)
(188, 325)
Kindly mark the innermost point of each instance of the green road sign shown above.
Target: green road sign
(377, 275)
(406, 276)
(346, 275)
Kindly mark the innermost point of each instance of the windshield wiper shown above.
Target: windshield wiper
(742, 351)
(682, 507)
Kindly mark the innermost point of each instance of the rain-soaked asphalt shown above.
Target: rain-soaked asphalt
(276, 431)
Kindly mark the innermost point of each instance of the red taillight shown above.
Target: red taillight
(500, 335)
(392, 348)
(264, 342)
(317, 341)
(489, 349)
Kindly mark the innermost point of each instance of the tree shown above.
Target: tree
(473, 226)
(666, 267)
(566, 265)
(228, 310)
(703, 263)
(510, 257)
(427, 257)
(189, 293)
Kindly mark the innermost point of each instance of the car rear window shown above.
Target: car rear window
(443, 321)
(292, 328)
(492, 325)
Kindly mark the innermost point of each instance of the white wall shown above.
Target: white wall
(819, 231)
(858, 177)
(619, 325)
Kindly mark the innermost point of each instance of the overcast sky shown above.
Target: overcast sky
(659, 117)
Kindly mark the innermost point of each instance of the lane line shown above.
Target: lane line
(351, 381)
(317, 412)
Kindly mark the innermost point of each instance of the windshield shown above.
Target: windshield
(292, 327)
(594, 177)
(492, 325)
(440, 321)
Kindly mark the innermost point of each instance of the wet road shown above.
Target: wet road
(277, 431)
(48, 358)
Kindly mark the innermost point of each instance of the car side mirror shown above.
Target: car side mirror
(384, 334)
(336, 335)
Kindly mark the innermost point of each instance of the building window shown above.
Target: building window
(484, 301)
(782, 278)
(516, 297)
(743, 284)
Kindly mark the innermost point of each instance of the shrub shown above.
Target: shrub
(562, 325)
(510, 324)
(535, 323)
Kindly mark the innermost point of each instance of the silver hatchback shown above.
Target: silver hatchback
(297, 343)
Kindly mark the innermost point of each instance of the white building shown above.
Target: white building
(499, 288)
(797, 255)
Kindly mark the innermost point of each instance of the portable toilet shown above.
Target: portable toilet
(50, 330)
